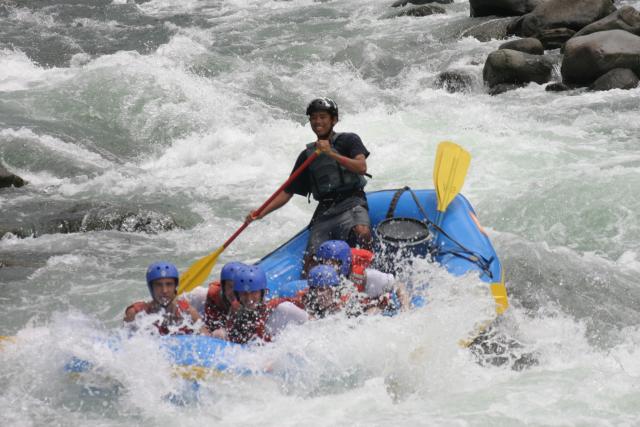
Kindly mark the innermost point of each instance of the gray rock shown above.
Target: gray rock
(588, 57)
(425, 10)
(501, 7)
(572, 14)
(528, 45)
(52, 217)
(489, 30)
(618, 78)
(8, 179)
(401, 3)
(454, 81)
(555, 38)
(626, 18)
(557, 87)
(504, 87)
(511, 66)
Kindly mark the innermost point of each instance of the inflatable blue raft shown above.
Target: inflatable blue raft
(402, 221)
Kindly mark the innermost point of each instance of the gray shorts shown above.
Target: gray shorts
(336, 227)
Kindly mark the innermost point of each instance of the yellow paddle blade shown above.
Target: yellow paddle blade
(449, 171)
(198, 272)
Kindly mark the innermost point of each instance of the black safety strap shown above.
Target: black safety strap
(394, 202)
(467, 254)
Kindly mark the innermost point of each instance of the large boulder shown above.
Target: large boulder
(571, 14)
(626, 18)
(513, 67)
(588, 57)
(555, 38)
(527, 45)
(618, 78)
(401, 3)
(502, 7)
(8, 179)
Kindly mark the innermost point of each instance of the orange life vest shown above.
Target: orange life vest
(217, 308)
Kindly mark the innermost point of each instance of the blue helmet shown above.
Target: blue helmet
(230, 269)
(336, 250)
(160, 270)
(323, 275)
(250, 278)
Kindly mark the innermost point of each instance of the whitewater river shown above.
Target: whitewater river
(148, 130)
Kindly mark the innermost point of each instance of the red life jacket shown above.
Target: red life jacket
(182, 308)
(217, 308)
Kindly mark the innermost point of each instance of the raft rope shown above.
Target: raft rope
(464, 253)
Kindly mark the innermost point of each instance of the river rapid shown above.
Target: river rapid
(153, 127)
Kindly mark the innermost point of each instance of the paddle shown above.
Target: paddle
(449, 171)
(199, 270)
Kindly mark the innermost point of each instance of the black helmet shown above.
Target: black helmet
(323, 104)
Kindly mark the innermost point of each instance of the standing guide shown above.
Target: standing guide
(336, 181)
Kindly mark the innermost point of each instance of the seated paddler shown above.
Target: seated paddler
(259, 320)
(323, 296)
(217, 302)
(375, 291)
(166, 313)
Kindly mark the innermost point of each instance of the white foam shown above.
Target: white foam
(18, 72)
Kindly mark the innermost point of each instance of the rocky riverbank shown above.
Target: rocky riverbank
(595, 44)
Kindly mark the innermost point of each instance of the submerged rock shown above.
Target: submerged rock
(401, 3)
(8, 179)
(618, 78)
(494, 347)
(504, 87)
(514, 67)
(454, 81)
(626, 18)
(501, 7)
(54, 217)
(571, 14)
(557, 87)
(588, 57)
(528, 45)
(369, 59)
(489, 30)
(418, 11)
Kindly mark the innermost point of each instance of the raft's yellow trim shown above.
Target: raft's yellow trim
(196, 373)
(499, 292)
(6, 339)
